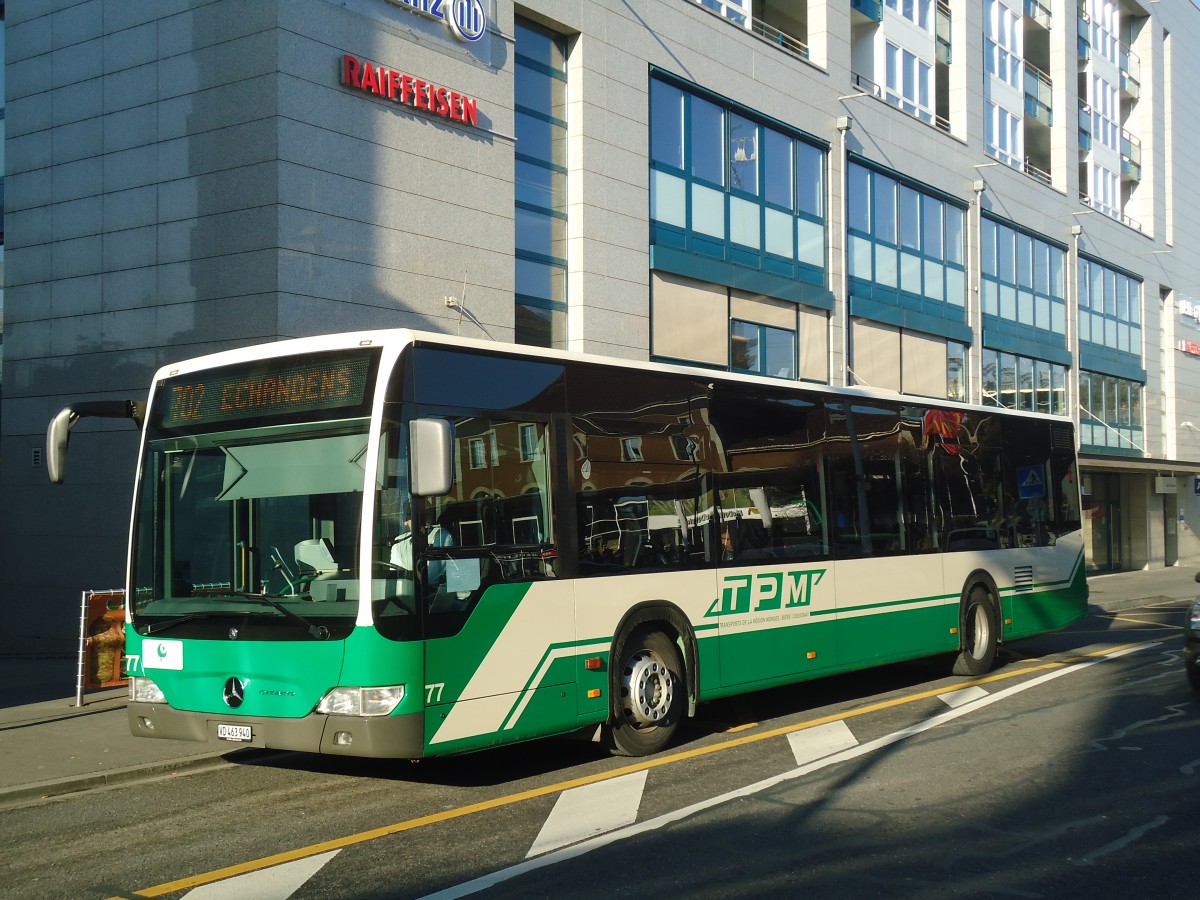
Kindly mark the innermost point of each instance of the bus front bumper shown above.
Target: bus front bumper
(389, 737)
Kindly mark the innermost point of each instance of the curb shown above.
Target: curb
(1132, 602)
(73, 784)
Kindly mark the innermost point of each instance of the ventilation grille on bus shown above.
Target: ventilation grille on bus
(1062, 437)
(1023, 578)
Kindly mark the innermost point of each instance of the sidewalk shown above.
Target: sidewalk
(51, 747)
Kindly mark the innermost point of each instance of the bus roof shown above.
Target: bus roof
(396, 339)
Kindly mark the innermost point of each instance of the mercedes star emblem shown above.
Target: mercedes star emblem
(234, 693)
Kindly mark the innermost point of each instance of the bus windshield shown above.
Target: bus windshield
(227, 519)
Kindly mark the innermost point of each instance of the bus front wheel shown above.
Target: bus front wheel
(978, 632)
(649, 689)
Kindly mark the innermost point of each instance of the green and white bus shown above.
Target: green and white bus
(395, 544)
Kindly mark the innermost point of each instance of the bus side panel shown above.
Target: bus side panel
(893, 608)
(601, 603)
(1041, 588)
(775, 622)
(1049, 590)
(508, 674)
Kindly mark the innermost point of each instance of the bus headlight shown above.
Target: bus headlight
(143, 690)
(361, 701)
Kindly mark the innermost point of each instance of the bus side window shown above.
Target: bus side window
(770, 449)
(641, 497)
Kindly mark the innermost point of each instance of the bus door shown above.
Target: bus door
(498, 624)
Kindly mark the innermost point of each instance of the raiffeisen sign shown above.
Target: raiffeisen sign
(466, 19)
(408, 90)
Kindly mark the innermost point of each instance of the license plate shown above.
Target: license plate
(233, 732)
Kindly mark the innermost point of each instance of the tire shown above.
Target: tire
(648, 694)
(979, 632)
(1193, 673)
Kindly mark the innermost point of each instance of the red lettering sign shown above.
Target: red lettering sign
(409, 90)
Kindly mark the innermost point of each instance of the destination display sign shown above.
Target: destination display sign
(268, 389)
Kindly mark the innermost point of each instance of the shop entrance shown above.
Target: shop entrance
(1102, 523)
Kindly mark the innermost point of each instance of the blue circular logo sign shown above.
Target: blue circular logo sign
(467, 19)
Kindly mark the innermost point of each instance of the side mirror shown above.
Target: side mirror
(430, 452)
(58, 432)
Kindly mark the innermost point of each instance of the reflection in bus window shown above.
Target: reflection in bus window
(495, 526)
(643, 502)
(772, 502)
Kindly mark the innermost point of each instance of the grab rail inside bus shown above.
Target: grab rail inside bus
(58, 432)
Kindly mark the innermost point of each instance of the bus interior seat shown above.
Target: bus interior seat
(315, 557)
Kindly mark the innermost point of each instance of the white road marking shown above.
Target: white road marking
(1122, 842)
(276, 883)
(954, 699)
(587, 811)
(568, 853)
(811, 744)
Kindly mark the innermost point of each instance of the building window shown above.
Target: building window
(540, 186)
(730, 187)
(1111, 412)
(1106, 111)
(909, 82)
(736, 11)
(476, 449)
(631, 449)
(530, 449)
(919, 12)
(762, 349)
(956, 371)
(1023, 279)
(1105, 17)
(1003, 135)
(1110, 308)
(1004, 51)
(905, 240)
(1020, 382)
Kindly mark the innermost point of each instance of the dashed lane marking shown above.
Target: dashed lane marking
(954, 699)
(276, 883)
(361, 837)
(585, 812)
(814, 743)
(471, 887)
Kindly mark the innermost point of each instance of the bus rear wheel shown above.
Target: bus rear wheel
(649, 689)
(978, 630)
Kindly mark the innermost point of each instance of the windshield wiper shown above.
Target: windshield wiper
(320, 632)
(156, 627)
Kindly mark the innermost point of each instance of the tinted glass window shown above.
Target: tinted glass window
(480, 381)
(641, 452)
(768, 474)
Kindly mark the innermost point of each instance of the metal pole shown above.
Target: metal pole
(83, 604)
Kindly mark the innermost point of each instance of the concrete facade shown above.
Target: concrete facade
(188, 175)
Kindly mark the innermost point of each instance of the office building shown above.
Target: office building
(981, 200)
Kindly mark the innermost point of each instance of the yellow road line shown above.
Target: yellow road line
(361, 837)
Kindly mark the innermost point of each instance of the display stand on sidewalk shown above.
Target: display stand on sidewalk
(101, 642)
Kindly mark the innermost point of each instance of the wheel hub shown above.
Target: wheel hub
(650, 688)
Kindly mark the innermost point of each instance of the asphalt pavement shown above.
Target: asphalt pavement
(50, 746)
